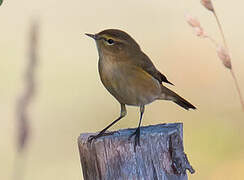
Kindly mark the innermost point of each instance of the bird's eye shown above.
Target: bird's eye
(110, 41)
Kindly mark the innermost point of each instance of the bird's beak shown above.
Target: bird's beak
(93, 36)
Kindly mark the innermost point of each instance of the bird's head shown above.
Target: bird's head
(115, 42)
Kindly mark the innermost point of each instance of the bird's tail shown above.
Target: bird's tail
(167, 94)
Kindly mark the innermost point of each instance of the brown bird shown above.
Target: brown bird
(130, 76)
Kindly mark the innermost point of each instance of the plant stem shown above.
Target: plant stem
(231, 70)
(212, 40)
(238, 88)
(221, 30)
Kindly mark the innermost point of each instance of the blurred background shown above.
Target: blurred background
(70, 98)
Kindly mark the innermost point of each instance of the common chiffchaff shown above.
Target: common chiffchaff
(130, 76)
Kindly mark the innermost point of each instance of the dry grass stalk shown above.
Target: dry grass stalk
(222, 52)
(29, 90)
(237, 87)
(227, 62)
(209, 5)
(23, 103)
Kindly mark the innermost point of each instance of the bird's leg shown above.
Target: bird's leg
(102, 133)
(137, 132)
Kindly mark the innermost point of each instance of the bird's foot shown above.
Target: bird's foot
(101, 134)
(137, 138)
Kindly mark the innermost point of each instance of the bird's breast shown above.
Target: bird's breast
(128, 83)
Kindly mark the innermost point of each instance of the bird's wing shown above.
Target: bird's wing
(146, 64)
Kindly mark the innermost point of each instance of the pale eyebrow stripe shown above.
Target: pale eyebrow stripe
(105, 37)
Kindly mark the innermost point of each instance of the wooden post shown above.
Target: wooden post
(161, 155)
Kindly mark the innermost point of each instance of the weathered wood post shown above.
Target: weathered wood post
(161, 155)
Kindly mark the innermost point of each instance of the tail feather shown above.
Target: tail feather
(167, 94)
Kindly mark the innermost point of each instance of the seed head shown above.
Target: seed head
(224, 56)
(208, 4)
(193, 22)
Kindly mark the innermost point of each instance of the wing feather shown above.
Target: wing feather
(146, 64)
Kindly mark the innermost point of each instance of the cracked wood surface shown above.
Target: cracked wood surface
(160, 157)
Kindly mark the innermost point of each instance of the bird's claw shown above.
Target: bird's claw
(93, 137)
(137, 138)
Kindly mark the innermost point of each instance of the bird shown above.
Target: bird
(130, 76)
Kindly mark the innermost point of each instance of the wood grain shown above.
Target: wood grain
(160, 156)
